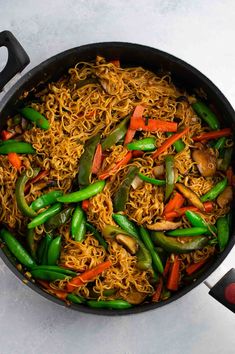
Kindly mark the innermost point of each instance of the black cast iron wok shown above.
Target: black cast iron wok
(130, 55)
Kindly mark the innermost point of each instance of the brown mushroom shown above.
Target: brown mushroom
(164, 225)
(225, 197)
(134, 297)
(158, 171)
(128, 242)
(206, 162)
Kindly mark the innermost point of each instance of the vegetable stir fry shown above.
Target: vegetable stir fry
(116, 187)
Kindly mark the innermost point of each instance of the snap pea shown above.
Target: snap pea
(86, 160)
(111, 304)
(85, 193)
(122, 195)
(36, 117)
(42, 251)
(75, 299)
(59, 219)
(97, 235)
(170, 176)
(223, 232)
(215, 191)
(45, 200)
(158, 182)
(226, 159)
(193, 231)
(146, 144)
(78, 224)
(9, 141)
(55, 268)
(179, 145)
(204, 112)
(16, 249)
(156, 260)
(126, 225)
(45, 215)
(170, 244)
(19, 147)
(197, 221)
(31, 243)
(49, 275)
(19, 193)
(220, 143)
(117, 134)
(54, 249)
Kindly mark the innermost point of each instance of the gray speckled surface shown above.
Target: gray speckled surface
(200, 32)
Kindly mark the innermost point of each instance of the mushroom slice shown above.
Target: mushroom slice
(128, 242)
(225, 197)
(137, 182)
(206, 162)
(164, 225)
(134, 297)
(158, 171)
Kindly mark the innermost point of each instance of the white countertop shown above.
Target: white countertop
(202, 33)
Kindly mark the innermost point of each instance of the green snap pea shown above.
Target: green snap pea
(7, 142)
(45, 215)
(215, 191)
(57, 269)
(126, 225)
(193, 231)
(19, 147)
(31, 243)
(78, 224)
(158, 182)
(170, 244)
(59, 219)
(86, 160)
(122, 195)
(170, 176)
(97, 235)
(111, 304)
(220, 143)
(86, 193)
(42, 251)
(16, 249)
(204, 112)
(197, 221)
(75, 299)
(36, 117)
(179, 145)
(45, 200)
(156, 260)
(227, 159)
(117, 134)
(223, 232)
(49, 275)
(19, 193)
(146, 144)
(54, 249)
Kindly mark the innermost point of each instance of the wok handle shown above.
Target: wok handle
(18, 59)
(223, 289)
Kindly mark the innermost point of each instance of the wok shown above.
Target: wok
(129, 54)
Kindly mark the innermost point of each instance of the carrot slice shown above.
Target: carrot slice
(174, 276)
(195, 266)
(129, 136)
(87, 276)
(229, 174)
(175, 203)
(138, 113)
(213, 135)
(58, 293)
(157, 294)
(137, 153)
(15, 160)
(167, 268)
(97, 161)
(85, 204)
(119, 164)
(170, 141)
(151, 125)
(208, 206)
(115, 62)
(6, 135)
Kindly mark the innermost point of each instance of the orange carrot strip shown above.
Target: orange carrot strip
(152, 125)
(195, 266)
(213, 135)
(170, 141)
(167, 267)
(85, 204)
(229, 174)
(138, 113)
(97, 161)
(115, 62)
(208, 206)
(174, 276)
(157, 293)
(87, 276)
(15, 160)
(137, 153)
(175, 203)
(129, 136)
(119, 164)
(6, 135)
(58, 293)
